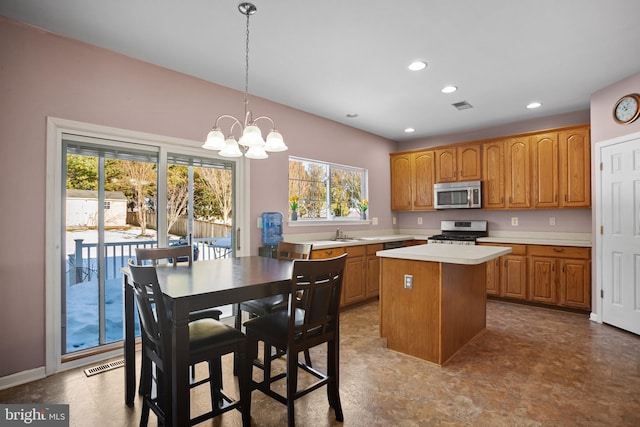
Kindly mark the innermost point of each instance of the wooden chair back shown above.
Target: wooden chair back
(313, 317)
(173, 254)
(291, 251)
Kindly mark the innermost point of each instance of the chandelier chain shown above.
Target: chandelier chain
(246, 68)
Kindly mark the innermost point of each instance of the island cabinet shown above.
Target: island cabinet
(459, 163)
(412, 179)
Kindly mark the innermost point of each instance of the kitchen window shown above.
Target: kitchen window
(326, 191)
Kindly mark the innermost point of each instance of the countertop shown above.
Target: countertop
(355, 241)
(536, 241)
(451, 254)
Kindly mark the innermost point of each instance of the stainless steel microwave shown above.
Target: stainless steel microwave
(457, 195)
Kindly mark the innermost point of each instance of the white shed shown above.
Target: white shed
(82, 208)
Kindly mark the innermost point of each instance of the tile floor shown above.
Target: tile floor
(531, 367)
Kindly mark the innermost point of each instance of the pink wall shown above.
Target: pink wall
(43, 74)
(603, 127)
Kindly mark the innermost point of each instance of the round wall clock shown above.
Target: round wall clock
(627, 109)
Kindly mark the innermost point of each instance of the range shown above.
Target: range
(459, 232)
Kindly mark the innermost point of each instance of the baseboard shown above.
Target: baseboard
(22, 378)
(594, 317)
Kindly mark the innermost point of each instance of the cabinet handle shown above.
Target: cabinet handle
(553, 267)
(559, 250)
(501, 199)
(329, 252)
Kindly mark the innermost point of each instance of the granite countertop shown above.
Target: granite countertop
(451, 254)
(536, 241)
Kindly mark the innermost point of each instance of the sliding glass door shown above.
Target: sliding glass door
(113, 192)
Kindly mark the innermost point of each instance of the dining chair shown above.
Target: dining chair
(209, 340)
(173, 255)
(260, 307)
(312, 319)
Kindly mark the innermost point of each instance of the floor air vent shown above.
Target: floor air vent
(104, 368)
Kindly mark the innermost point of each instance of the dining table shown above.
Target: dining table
(204, 284)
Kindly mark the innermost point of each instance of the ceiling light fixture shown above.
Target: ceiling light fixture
(253, 146)
(534, 105)
(449, 89)
(417, 65)
(409, 130)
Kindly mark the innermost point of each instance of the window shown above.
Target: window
(326, 191)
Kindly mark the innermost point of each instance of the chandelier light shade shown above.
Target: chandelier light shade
(251, 143)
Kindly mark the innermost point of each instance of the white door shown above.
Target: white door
(620, 207)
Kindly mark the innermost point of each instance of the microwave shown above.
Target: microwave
(457, 195)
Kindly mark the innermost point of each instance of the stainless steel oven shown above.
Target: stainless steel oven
(457, 195)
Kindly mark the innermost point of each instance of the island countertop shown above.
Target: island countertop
(451, 254)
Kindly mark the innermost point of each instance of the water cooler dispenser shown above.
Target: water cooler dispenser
(271, 233)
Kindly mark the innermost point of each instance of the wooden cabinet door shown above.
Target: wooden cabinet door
(423, 167)
(542, 280)
(518, 173)
(401, 176)
(353, 285)
(514, 277)
(468, 164)
(575, 283)
(493, 276)
(493, 175)
(544, 150)
(446, 165)
(575, 168)
(373, 270)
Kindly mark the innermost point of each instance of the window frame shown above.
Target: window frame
(330, 218)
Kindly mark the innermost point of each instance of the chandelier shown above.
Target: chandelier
(251, 143)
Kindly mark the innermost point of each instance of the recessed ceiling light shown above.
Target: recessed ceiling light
(352, 115)
(417, 65)
(534, 105)
(449, 89)
(409, 130)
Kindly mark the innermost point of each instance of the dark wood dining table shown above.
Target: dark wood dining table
(205, 284)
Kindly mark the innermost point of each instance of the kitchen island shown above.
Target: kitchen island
(433, 297)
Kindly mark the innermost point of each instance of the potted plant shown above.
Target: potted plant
(293, 204)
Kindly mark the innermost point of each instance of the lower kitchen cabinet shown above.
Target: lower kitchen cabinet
(354, 282)
(553, 275)
(373, 271)
(361, 276)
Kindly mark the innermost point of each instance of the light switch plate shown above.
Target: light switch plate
(514, 221)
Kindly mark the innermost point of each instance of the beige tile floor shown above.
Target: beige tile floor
(531, 367)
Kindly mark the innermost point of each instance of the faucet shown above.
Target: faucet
(338, 233)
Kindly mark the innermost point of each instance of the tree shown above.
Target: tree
(218, 182)
(82, 172)
(177, 193)
(140, 178)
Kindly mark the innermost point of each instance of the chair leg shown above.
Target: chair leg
(146, 376)
(292, 385)
(215, 383)
(333, 392)
(244, 383)
(307, 358)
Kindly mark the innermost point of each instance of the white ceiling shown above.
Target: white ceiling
(335, 57)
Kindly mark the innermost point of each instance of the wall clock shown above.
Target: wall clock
(627, 109)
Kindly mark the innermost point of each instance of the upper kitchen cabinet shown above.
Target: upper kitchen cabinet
(561, 169)
(459, 163)
(517, 173)
(493, 175)
(412, 179)
(544, 152)
(575, 167)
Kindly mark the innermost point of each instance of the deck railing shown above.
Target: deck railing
(83, 261)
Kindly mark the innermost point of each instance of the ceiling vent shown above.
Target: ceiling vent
(463, 105)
